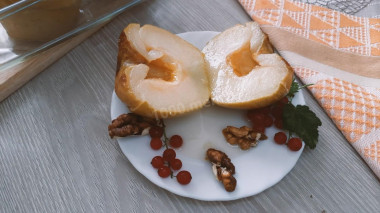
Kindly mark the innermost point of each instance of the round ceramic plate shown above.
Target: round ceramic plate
(256, 169)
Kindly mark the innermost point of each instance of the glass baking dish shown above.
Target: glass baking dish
(30, 26)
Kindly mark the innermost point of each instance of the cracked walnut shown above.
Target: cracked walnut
(244, 136)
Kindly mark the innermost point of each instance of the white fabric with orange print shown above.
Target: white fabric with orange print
(340, 55)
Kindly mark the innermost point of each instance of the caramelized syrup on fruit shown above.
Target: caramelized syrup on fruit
(242, 61)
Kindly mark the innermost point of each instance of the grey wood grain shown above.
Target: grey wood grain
(55, 155)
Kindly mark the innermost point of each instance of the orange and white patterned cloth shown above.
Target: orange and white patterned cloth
(340, 55)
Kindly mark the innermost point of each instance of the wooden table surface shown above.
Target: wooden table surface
(56, 155)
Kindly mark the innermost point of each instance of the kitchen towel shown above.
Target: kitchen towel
(346, 6)
(340, 55)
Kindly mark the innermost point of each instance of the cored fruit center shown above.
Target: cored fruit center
(242, 61)
(161, 70)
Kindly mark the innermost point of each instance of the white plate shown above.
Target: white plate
(256, 169)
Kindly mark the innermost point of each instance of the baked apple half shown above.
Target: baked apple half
(159, 75)
(244, 71)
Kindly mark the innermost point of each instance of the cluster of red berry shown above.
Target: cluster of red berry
(265, 117)
(293, 144)
(168, 161)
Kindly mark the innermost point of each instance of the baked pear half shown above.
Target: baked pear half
(159, 75)
(244, 72)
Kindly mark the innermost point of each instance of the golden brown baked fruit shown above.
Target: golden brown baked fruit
(244, 72)
(159, 74)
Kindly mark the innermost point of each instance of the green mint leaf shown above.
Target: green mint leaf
(302, 121)
(294, 88)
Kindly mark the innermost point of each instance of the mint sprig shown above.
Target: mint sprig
(294, 88)
(300, 119)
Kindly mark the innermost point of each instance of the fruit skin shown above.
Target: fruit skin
(294, 144)
(256, 118)
(264, 110)
(278, 123)
(175, 141)
(175, 164)
(156, 132)
(156, 143)
(221, 74)
(157, 162)
(268, 121)
(122, 88)
(184, 177)
(164, 172)
(280, 138)
(284, 100)
(277, 111)
(169, 154)
(258, 128)
(130, 75)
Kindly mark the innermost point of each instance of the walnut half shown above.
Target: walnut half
(244, 136)
(130, 124)
(222, 168)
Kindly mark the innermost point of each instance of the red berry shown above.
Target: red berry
(294, 144)
(164, 171)
(156, 132)
(277, 111)
(264, 110)
(157, 162)
(169, 154)
(268, 121)
(175, 141)
(256, 118)
(175, 164)
(284, 100)
(278, 123)
(156, 143)
(250, 113)
(258, 128)
(184, 177)
(280, 138)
